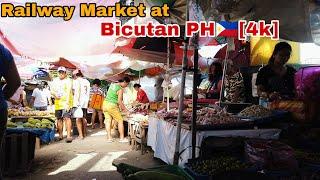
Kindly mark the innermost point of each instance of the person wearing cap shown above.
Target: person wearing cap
(62, 92)
(81, 95)
(40, 97)
(112, 106)
(141, 94)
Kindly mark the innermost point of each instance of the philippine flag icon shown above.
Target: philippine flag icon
(227, 29)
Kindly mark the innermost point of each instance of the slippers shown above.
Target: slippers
(110, 140)
(80, 138)
(68, 140)
(58, 139)
(123, 140)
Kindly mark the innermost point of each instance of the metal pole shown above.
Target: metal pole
(224, 72)
(139, 76)
(181, 98)
(195, 97)
(168, 67)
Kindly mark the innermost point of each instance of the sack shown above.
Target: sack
(270, 155)
(78, 113)
(96, 102)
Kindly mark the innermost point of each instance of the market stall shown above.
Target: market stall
(26, 120)
(210, 122)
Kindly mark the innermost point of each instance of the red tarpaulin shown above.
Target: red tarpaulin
(8, 44)
(63, 62)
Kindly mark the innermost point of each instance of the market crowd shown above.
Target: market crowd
(73, 97)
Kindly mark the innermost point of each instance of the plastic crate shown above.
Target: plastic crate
(17, 153)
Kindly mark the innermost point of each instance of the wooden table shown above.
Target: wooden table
(141, 136)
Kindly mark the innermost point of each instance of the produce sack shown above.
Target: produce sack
(307, 83)
(270, 155)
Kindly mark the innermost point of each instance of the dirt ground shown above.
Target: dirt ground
(88, 159)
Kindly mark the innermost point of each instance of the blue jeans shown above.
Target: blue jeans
(3, 126)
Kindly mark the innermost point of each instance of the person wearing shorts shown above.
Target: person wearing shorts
(112, 106)
(61, 91)
(81, 95)
(96, 102)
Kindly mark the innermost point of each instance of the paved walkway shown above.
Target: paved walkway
(86, 159)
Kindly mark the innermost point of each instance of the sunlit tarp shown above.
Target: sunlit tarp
(262, 48)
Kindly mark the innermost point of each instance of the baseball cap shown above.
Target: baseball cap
(61, 68)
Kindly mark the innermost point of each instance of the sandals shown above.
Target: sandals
(69, 140)
(58, 139)
(110, 140)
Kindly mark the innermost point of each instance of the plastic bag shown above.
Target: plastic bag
(270, 155)
(78, 113)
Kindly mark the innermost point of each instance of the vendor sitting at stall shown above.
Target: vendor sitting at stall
(234, 85)
(141, 94)
(211, 87)
(276, 80)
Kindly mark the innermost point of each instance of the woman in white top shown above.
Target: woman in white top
(40, 98)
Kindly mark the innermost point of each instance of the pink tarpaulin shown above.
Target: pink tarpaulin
(54, 37)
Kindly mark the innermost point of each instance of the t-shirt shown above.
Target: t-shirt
(62, 88)
(5, 59)
(81, 92)
(234, 88)
(41, 97)
(96, 98)
(274, 83)
(142, 97)
(112, 94)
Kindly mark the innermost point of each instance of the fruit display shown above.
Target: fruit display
(217, 166)
(11, 124)
(255, 111)
(37, 123)
(26, 112)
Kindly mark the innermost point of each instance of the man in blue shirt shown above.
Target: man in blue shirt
(9, 72)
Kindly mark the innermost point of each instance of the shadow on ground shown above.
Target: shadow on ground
(87, 159)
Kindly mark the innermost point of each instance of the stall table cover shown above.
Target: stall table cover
(162, 135)
(45, 135)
